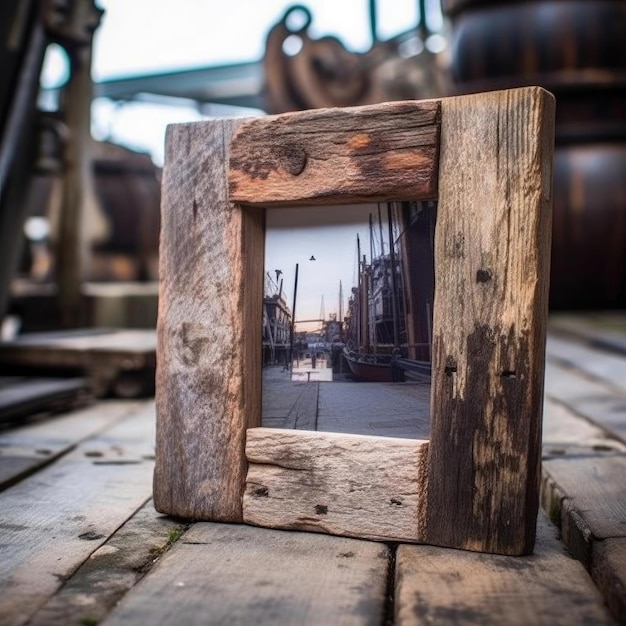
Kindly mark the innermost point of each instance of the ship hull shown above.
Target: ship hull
(373, 372)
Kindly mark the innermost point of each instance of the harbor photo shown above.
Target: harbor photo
(347, 318)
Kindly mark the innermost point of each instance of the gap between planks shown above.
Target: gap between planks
(52, 521)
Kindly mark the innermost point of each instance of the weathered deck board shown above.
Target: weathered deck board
(106, 356)
(608, 571)
(592, 491)
(601, 330)
(25, 449)
(595, 400)
(239, 575)
(441, 586)
(114, 568)
(566, 434)
(52, 521)
(584, 472)
(22, 396)
(353, 485)
(599, 364)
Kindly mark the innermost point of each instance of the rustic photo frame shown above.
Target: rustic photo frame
(487, 159)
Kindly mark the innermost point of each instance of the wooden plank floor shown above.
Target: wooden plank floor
(82, 544)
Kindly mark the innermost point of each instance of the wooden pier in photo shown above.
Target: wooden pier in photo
(82, 544)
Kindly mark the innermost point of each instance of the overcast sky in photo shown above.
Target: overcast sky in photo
(328, 234)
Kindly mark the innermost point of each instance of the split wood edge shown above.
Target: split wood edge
(351, 485)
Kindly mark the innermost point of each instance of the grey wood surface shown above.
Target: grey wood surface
(593, 489)
(52, 521)
(372, 153)
(23, 396)
(353, 485)
(211, 293)
(584, 467)
(440, 586)
(110, 571)
(608, 570)
(492, 254)
(603, 330)
(27, 448)
(600, 365)
(240, 575)
(235, 574)
(596, 399)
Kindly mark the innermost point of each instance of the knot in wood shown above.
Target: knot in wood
(483, 276)
(293, 159)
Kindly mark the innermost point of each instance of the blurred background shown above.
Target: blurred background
(87, 88)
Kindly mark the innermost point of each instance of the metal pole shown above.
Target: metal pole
(394, 287)
(293, 318)
(373, 21)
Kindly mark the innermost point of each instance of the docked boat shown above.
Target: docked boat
(390, 312)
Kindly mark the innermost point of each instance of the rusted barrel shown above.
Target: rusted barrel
(577, 50)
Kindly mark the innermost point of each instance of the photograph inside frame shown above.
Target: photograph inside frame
(348, 300)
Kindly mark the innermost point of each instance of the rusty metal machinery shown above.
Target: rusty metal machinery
(35, 143)
(304, 73)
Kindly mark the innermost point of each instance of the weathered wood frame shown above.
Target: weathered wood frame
(487, 158)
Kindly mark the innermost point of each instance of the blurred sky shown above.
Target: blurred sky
(147, 36)
(328, 234)
(151, 36)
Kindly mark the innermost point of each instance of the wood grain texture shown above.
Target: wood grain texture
(238, 575)
(590, 491)
(440, 586)
(31, 447)
(51, 522)
(353, 485)
(608, 571)
(567, 434)
(491, 273)
(109, 572)
(208, 370)
(337, 156)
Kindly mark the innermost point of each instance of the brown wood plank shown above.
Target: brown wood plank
(52, 521)
(114, 568)
(354, 485)
(23, 450)
(239, 575)
(209, 370)
(492, 253)
(362, 154)
(608, 570)
(440, 586)
(601, 365)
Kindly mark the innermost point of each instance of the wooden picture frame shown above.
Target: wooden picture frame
(487, 159)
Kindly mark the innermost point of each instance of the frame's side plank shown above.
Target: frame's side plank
(492, 264)
(361, 154)
(353, 485)
(211, 293)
